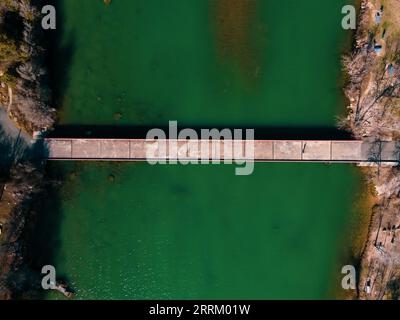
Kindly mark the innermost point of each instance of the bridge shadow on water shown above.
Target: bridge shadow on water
(140, 132)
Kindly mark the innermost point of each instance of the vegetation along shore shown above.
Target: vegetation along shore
(372, 89)
(25, 111)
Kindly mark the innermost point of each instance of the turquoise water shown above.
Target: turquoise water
(134, 231)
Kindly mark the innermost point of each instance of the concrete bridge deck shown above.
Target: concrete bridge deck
(264, 150)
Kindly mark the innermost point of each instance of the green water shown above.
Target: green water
(138, 231)
(155, 61)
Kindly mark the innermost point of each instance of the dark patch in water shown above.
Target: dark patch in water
(180, 190)
(59, 56)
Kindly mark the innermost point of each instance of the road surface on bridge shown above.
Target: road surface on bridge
(225, 150)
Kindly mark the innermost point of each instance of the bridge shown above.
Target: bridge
(330, 151)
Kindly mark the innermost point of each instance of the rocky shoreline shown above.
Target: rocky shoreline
(373, 89)
(25, 97)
